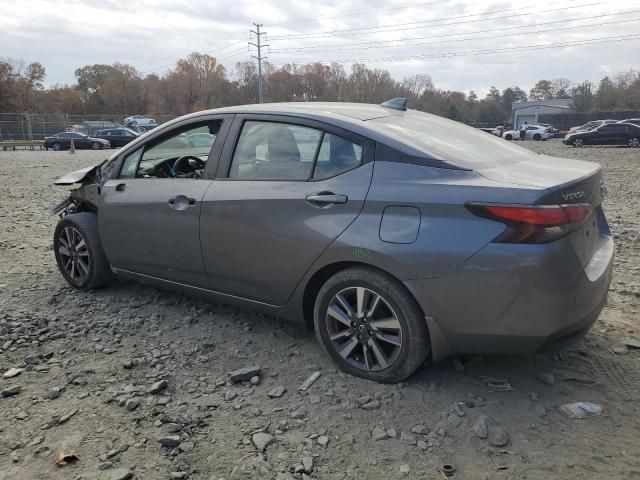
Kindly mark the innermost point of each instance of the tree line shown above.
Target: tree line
(200, 82)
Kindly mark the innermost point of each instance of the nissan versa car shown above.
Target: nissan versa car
(399, 235)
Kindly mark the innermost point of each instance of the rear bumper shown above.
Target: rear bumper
(516, 299)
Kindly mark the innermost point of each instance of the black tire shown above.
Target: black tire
(95, 146)
(633, 142)
(86, 225)
(508, 137)
(537, 137)
(578, 143)
(414, 346)
(56, 146)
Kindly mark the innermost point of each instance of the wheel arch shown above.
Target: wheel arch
(320, 276)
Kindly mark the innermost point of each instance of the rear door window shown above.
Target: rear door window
(337, 155)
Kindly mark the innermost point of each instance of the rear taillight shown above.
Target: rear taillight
(533, 223)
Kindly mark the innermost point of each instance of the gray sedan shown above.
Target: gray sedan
(398, 235)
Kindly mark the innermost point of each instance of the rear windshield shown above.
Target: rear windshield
(451, 141)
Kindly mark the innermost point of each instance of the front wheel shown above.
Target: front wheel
(634, 142)
(56, 146)
(578, 142)
(95, 146)
(508, 137)
(79, 253)
(370, 325)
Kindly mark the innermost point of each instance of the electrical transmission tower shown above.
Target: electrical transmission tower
(259, 45)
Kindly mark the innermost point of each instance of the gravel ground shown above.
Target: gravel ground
(134, 382)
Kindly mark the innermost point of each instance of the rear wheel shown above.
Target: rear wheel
(508, 137)
(79, 253)
(578, 142)
(95, 146)
(634, 142)
(56, 146)
(370, 325)
(537, 137)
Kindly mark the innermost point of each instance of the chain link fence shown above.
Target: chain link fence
(36, 126)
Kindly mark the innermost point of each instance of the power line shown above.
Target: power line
(355, 13)
(215, 50)
(208, 52)
(489, 37)
(490, 51)
(383, 42)
(423, 23)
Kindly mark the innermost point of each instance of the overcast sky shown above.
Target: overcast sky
(390, 34)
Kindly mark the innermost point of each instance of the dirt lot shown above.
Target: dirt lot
(89, 360)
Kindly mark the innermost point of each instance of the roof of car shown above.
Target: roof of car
(359, 111)
(350, 116)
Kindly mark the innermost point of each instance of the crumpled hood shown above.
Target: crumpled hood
(78, 175)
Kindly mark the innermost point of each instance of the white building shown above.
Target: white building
(528, 111)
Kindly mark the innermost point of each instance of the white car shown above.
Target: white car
(140, 121)
(534, 132)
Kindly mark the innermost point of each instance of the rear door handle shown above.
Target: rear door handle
(120, 187)
(326, 199)
(181, 202)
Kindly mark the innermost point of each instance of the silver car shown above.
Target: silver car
(397, 234)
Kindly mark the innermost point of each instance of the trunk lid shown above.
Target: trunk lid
(567, 182)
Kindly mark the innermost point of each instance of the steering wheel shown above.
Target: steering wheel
(190, 162)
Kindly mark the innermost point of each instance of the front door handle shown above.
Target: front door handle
(120, 187)
(324, 199)
(181, 202)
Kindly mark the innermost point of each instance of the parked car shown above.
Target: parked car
(533, 132)
(62, 141)
(397, 234)
(555, 132)
(608, 134)
(141, 130)
(118, 137)
(591, 125)
(635, 121)
(140, 121)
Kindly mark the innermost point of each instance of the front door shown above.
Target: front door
(149, 216)
(291, 188)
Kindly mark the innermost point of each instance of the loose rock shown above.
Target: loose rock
(12, 372)
(158, 387)
(244, 374)
(487, 428)
(276, 392)
(170, 441)
(262, 440)
(9, 392)
(121, 474)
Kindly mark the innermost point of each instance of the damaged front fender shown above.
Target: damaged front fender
(86, 196)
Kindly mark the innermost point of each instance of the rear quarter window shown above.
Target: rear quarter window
(452, 142)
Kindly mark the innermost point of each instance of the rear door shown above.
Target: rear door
(609, 134)
(149, 216)
(286, 189)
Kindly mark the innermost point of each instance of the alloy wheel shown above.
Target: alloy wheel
(634, 142)
(364, 329)
(74, 254)
(577, 142)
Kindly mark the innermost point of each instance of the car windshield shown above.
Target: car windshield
(451, 141)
